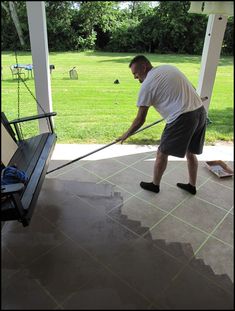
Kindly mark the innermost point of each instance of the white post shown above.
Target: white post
(39, 48)
(210, 56)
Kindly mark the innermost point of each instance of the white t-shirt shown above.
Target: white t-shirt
(168, 90)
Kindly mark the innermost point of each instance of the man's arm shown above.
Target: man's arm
(136, 124)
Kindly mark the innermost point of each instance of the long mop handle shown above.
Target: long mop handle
(101, 148)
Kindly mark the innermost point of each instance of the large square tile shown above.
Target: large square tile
(29, 243)
(124, 194)
(60, 167)
(192, 291)
(137, 215)
(167, 199)
(104, 168)
(129, 179)
(135, 157)
(63, 270)
(225, 231)
(10, 265)
(180, 174)
(199, 214)
(219, 256)
(146, 166)
(177, 238)
(146, 268)
(79, 174)
(26, 293)
(106, 292)
(90, 226)
(223, 197)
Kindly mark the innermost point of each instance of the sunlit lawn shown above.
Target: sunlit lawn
(93, 109)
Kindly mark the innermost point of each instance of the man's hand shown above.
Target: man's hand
(136, 124)
(123, 137)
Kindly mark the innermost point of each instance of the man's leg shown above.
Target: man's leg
(159, 168)
(192, 167)
(192, 171)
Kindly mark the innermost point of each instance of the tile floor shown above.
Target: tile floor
(98, 241)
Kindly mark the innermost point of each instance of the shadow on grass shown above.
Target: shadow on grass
(123, 57)
(16, 81)
(67, 78)
(159, 58)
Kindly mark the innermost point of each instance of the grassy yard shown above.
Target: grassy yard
(93, 109)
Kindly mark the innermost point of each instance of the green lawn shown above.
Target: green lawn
(93, 109)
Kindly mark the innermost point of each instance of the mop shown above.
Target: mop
(101, 148)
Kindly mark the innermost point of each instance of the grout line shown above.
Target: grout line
(211, 233)
(150, 203)
(48, 293)
(197, 251)
(96, 259)
(169, 213)
(217, 206)
(115, 274)
(104, 178)
(201, 230)
(203, 183)
(182, 220)
(220, 184)
(108, 268)
(165, 173)
(211, 179)
(65, 172)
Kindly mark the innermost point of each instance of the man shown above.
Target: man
(173, 96)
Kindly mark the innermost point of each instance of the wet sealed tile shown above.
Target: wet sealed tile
(146, 268)
(63, 270)
(26, 293)
(10, 265)
(106, 292)
(192, 291)
(29, 243)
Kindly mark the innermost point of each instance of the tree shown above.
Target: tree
(136, 26)
(96, 18)
(60, 33)
(10, 8)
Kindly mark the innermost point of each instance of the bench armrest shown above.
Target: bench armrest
(47, 115)
(30, 118)
(12, 188)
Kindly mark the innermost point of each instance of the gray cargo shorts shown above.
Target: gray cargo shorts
(186, 133)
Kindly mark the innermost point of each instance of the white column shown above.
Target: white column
(39, 48)
(210, 56)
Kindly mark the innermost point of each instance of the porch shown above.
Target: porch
(99, 241)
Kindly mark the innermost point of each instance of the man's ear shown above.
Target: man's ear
(144, 68)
